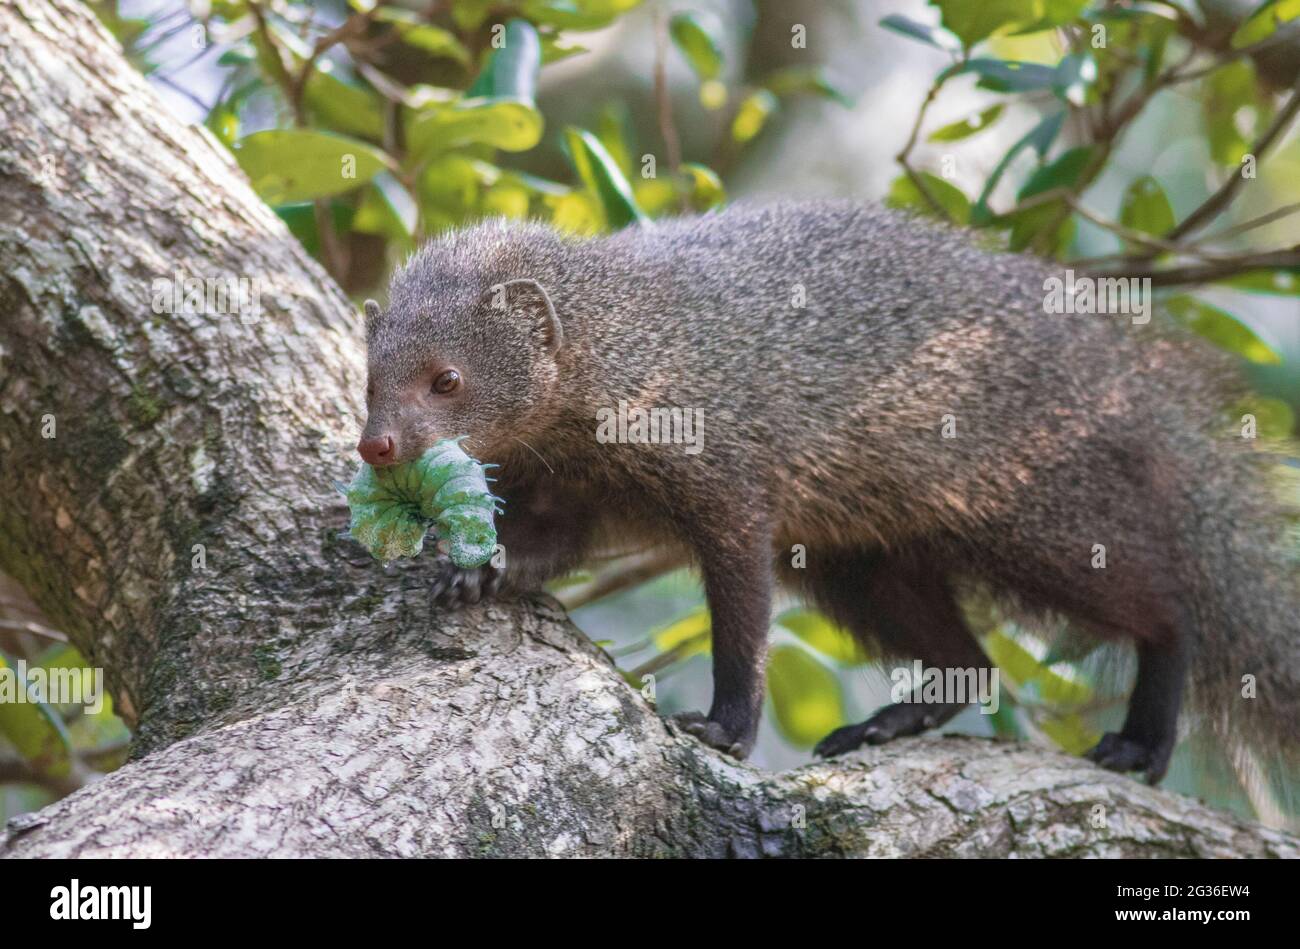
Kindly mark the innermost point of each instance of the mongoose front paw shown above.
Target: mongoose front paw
(712, 733)
(456, 587)
(1117, 752)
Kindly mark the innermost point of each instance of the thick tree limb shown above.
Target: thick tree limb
(292, 697)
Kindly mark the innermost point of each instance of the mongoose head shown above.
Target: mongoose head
(466, 346)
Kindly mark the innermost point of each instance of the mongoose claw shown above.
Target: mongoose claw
(1117, 752)
(456, 587)
(712, 733)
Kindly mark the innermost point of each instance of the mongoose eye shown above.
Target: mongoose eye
(446, 382)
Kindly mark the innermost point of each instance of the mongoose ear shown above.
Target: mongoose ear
(552, 330)
(372, 314)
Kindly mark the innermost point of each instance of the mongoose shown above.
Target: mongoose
(827, 345)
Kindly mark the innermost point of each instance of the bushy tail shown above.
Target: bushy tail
(1242, 562)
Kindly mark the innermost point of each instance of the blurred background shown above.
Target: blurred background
(1153, 138)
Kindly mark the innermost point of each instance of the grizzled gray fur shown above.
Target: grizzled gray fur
(826, 344)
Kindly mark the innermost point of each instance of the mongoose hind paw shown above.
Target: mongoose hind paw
(890, 722)
(1116, 752)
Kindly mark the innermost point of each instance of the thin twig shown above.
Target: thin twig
(903, 156)
(1206, 272)
(1217, 202)
(34, 628)
(1284, 211)
(1151, 241)
(621, 577)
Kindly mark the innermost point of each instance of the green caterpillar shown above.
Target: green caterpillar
(393, 507)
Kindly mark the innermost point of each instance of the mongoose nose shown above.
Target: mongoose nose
(377, 450)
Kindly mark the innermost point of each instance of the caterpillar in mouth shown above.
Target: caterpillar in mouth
(394, 506)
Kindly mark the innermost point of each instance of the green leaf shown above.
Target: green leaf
(974, 21)
(752, 115)
(511, 71)
(1058, 687)
(1075, 74)
(553, 51)
(1039, 138)
(329, 99)
(656, 196)
(1029, 225)
(126, 30)
(1010, 656)
(1055, 13)
(1264, 22)
(470, 14)
(824, 636)
(1071, 733)
(611, 129)
(417, 32)
(696, 36)
(507, 199)
(705, 187)
(904, 193)
(690, 634)
(1063, 172)
(223, 122)
(934, 35)
(967, 127)
(600, 174)
(575, 212)
(301, 221)
(1235, 109)
(289, 165)
(1221, 328)
(343, 106)
(387, 208)
(33, 728)
(1284, 281)
(1005, 75)
(509, 124)
(577, 14)
(1146, 208)
(450, 187)
(805, 80)
(1005, 722)
(807, 700)
(1273, 418)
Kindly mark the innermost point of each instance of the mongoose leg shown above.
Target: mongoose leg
(904, 607)
(542, 535)
(1134, 598)
(1146, 741)
(737, 571)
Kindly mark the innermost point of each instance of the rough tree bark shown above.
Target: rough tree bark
(290, 696)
